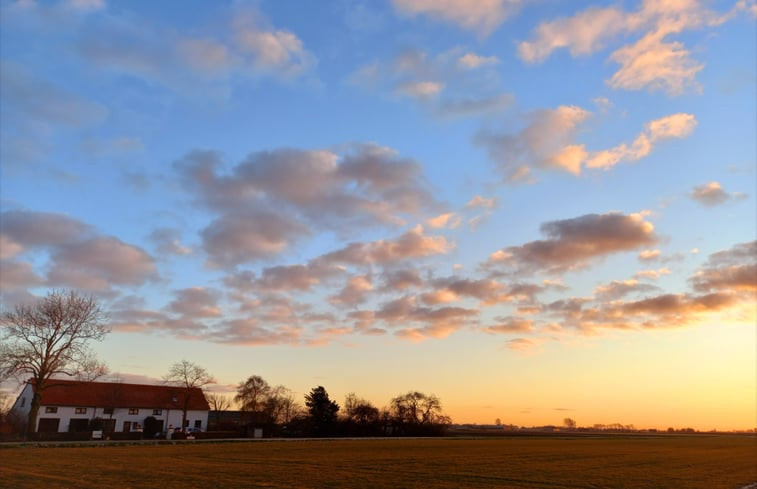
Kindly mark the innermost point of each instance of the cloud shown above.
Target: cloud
(510, 325)
(482, 16)
(712, 194)
(483, 202)
(167, 241)
(649, 255)
(650, 62)
(620, 288)
(574, 243)
(723, 289)
(365, 184)
(286, 193)
(450, 220)
(295, 277)
(250, 332)
(418, 322)
(524, 344)
(248, 46)
(9, 248)
(270, 50)
(545, 143)
(34, 100)
(196, 302)
(582, 34)
(399, 280)
(76, 255)
(677, 125)
(420, 89)
(652, 274)
(354, 292)
(85, 5)
(23, 229)
(441, 83)
(17, 275)
(234, 239)
(99, 263)
(468, 107)
(412, 244)
(471, 61)
(730, 270)
(548, 142)
(488, 291)
(655, 65)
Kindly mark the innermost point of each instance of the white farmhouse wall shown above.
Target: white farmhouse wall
(169, 417)
(23, 403)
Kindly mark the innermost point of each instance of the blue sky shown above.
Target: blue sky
(503, 202)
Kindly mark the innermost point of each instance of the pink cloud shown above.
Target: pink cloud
(574, 243)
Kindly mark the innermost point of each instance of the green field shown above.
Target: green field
(707, 462)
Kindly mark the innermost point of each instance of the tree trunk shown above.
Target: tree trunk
(31, 420)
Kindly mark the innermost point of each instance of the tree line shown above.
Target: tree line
(50, 339)
(275, 410)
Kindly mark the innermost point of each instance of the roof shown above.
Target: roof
(116, 394)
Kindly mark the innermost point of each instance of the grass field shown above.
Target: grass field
(707, 462)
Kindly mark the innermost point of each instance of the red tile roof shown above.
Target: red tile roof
(114, 394)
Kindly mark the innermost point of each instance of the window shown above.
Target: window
(133, 411)
(51, 409)
(157, 412)
(198, 423)
(23, 401)
(80, 411)
(107, 410)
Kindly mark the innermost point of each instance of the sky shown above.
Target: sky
(533, 209)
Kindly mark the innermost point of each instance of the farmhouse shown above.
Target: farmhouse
(72, 406)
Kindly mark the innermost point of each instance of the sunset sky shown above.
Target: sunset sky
(534, 209)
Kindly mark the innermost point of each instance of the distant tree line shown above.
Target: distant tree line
(275, 411)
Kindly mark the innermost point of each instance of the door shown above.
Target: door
(109, 425)
(78, 425)
(48, 425)
(127, 426)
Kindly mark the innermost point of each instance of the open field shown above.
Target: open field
(709, 462)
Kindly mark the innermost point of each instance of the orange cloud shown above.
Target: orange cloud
(650, 62)
(712, 194)
(412, 244)
(511, 325)
(673, 126)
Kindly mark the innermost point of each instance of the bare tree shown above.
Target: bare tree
(569, 423)
(283, 405)
(359, 410)
(263, 404)
(218, 402)
(416, 413)
(252, 394)
(188, 376)
(51, 338)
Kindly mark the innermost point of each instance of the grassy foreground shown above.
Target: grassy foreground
(520, 462)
